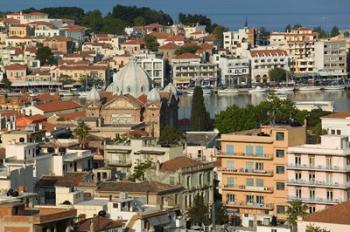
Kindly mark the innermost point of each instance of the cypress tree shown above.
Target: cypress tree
(200, 118)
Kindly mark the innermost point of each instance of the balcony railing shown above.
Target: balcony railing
(242, 171)
(316, 200)
(249, 205)
(247, 156)
(318, 183)
(119, 162)
(245, 188)
(319, 167)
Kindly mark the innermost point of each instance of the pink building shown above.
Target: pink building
(16, 72)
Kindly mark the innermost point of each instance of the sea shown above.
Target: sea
(271, 14)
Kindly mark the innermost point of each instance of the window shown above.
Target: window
(259, 150)
(188, 182)
(104, 175)
(280, 209)
(230, 165)
(312, 209)
(259, 182)
(312, 177)
(329, 195)
(338, 132)
(280, 169)
(230, 182)
(312, 194)
(249, 182)
(259, 166)
(172, 180)
(329, 162)
(333, 132)
(298, 193)
(249, 150)
(230, 149)
(329, 178)
(231, 197)
(280, 186)
(280, 136)
(115, 205)
(249, 166)
(250, 199)
(298, 175)
(260, 199)
(279, 153)
(312, 161)
(297, 160)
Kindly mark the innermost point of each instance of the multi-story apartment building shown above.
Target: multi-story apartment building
(154, 67)
(234, 70)
(331, 58)
(263, 60)
(319, 174)
(253, 169)
(300, 44)
(188, 69)
(239, 41)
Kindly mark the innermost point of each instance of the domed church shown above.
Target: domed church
(130, 103)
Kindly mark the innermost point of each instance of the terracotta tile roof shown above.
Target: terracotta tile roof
(49, 127)
(179, 163)
(58, 106)
(82, 67)
(9, 113)
(68, 180)
(46, 97)
(268, 52)
(187, 56)
(160, 35)
(337, 214)
(98, 224)
(73, 116)
(73, 28)
(143, 98)
(340, 115)
(127, 186)
(58, 38)
(15, 67)
(207, 46)
(169, 46)
(135, 42)
(176, 38)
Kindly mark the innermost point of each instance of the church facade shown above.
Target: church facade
(130, 103)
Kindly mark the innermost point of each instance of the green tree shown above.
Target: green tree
(199, 213)
(169, 136)
(277, 74)
(81, 132)
(322, 33)
(312, 228)
(91, 80)
(45, 55)
(334, 31)
(139, 21)
(113, 25)
(93, 20)
(295, 209)
(221, 216)
(200, 118)
(218, 31)
(139, 170)
(187, 49)
(151, 43)
(6, 82)
(66, 80)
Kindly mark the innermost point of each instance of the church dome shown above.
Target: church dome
(170, 88)
(153, 95)
(93, 95)
(131, 79)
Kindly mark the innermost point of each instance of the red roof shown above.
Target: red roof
(169, 46)
(72, 116)
(159, 35)
(268, 52)
(179, 163)
(58, 106)
(16, 67)
(187, 55)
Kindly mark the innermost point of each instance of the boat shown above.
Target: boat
(207, 91)
(228, 91)
(334, 87)
(284, 89)
(83, 94)
(258, 89)
(308, 88)
(65, 93)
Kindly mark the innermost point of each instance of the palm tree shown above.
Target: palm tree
(81, 132)
(295, 209)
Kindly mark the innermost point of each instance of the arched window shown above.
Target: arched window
(188, 181)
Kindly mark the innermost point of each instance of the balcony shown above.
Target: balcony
(120, 163)
(316, 183)
(248, 205)
(318, 167)
(242, 171)
(244, 188)
(246, 156)
(317, 200)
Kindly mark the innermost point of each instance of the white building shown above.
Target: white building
(153, 66)
(337, 123)
(331, 58)
(234, 70)
(263, 60)
(238, 42)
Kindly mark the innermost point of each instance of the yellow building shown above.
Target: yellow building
(253, 170)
